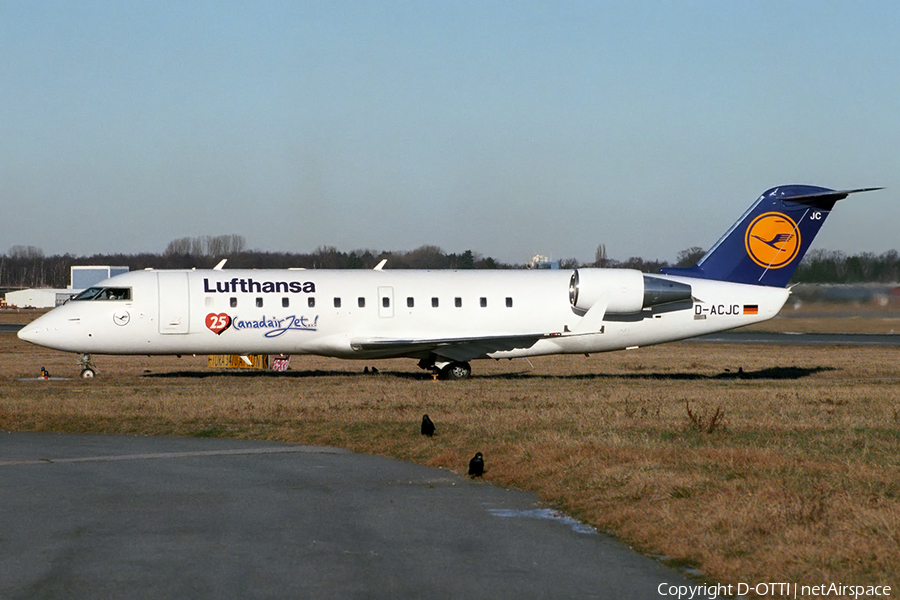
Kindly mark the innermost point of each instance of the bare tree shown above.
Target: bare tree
(224, 245)
(600, 257)
(26, 252)
(207, 246)
(179, 247)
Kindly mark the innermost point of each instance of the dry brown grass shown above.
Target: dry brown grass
(799, 481)
(20, 315)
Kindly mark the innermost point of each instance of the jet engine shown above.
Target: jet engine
(627, 291)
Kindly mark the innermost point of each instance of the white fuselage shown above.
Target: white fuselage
(381, 313)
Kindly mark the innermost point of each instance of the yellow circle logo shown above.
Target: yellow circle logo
(772, 240)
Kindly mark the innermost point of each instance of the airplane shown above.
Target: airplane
(445, 319)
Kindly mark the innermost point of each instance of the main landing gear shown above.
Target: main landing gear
(456, 371)
(88, 368)
(451, 371)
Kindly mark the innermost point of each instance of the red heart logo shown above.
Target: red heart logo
(218, 323)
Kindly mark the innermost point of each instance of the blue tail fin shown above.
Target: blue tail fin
(767, 243)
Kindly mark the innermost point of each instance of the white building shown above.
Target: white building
(39, 298)
(81, 278)
(542, 262)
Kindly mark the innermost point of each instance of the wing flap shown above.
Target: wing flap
(459, 349)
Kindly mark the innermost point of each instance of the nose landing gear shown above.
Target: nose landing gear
(88, 368)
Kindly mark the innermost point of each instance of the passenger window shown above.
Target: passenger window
(259, 303)
(386, 302)
(508, 302)
(410, 302)
(311, 301)
(483, 302)
(337, 302)
(458, 302)
(232, 302)
(434, 302)
(285, 302)
(362, 302)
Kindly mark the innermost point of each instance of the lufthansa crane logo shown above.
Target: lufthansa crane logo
(772, 240)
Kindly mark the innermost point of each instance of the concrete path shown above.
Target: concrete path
(87, 516)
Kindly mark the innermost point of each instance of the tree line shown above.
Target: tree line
(27, 266)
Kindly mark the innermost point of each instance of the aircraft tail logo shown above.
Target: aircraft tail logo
(767, 243)
(772, 240)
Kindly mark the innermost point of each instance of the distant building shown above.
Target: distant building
(81, 278)
(39, 298)
(540, 261)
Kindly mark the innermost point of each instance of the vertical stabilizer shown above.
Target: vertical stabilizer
(767, 243)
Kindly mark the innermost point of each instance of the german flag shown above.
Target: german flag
(751, 309)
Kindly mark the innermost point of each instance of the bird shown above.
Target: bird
(427, 426)
(476, 465)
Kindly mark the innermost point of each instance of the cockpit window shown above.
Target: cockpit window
(103, 293)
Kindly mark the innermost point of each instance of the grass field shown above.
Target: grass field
(787, 472)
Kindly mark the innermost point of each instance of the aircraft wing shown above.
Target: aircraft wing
(453, 348)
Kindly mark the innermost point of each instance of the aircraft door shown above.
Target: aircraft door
(386, 302)
(174, 303)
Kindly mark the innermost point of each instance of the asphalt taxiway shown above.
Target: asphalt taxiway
(87, 516)
(801, 339)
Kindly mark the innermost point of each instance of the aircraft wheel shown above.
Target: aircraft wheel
(88, 373)
(456, 371)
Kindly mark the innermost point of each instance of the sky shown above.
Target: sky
(505, 128)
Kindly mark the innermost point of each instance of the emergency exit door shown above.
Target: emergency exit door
(385, 302)
(174, 303)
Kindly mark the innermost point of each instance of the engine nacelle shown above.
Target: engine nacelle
(627, 291)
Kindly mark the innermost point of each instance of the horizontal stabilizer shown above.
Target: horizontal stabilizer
(823, 199)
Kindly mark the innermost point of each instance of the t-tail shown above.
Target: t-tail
(767, 243)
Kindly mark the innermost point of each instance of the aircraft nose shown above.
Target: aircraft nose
(30, 333)
(40, 331)
(53, 330)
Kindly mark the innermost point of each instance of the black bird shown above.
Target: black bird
(427, 426)
(476, 465)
